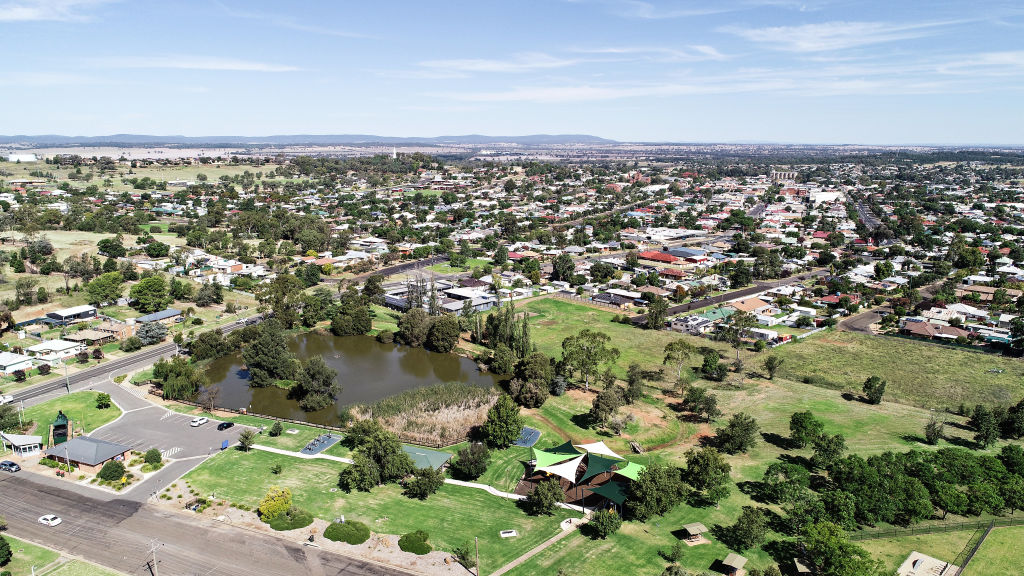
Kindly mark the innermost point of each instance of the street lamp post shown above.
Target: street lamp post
(67, 381)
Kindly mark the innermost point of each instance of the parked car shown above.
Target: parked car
(8, 466)
(50, 520)
(6, 399)
(198, 421)
(225, 425)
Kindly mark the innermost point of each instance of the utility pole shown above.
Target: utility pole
(477, 540)
(67, 381)
(153, 545)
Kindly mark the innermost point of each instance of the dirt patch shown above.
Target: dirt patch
(581, 395)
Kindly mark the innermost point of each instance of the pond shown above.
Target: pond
(368, 371)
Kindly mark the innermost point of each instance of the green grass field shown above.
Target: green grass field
(917, 373)
(552, 320)
(27, 555)
(893, 551)
(452, 517)
(79, 406)
(444, 268)
(80, 568)
(1000, 553)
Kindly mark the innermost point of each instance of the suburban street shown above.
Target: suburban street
(118, 533)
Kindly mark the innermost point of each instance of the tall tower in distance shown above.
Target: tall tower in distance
(394, 153)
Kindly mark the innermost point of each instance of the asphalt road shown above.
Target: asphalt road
(118, 534)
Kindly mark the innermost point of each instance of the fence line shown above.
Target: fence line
(897, 532)
(972, 546)
(573, 297)
(404, 438)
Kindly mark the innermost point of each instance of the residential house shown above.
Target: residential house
(51, 351)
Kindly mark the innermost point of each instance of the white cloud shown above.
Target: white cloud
(289, 22)
(210, 63)
(46, 10)
(520, 63)
(986, 64)
(828, 36)
(693, 53)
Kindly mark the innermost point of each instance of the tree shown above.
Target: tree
(544, 498)
(708, 473)
(933, 431)
(157, 249)
(827, 450)
(103, 401)
(105, 288)
(771, 365)
(504, 360)
(471, 462)
(986, 429)
(151, 333)
(413, 327)
(711, 368)
(1012, 492)
(657, 490)
(503, 424)
(949, 498)
(112, 247)
(603, 524)
(634, 384)
(443, 334)
(750, 529)
(528, 393)
(586, 352)
(378, 452)
(153, 457)
(563, 268)
(677, 355)
(426, 481)
(605, 404)
(702, 403)
(317, 386)
(373, 289)
(209, 294)
(276, 502)
(784, 482)
(739, 324)
(739, 435)
(246, 438)
(804, 428)
(5, 551)
(283, 295)
(112, 471)
(267, 357)
(150, 295)
(874, 388)
(276, 429)
(656, 312)
(984, 497)
(833, 555)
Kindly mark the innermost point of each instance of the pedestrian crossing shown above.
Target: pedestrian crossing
(170, 452)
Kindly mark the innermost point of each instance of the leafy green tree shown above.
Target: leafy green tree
(934, 431)
(677, 355)
(153, 457)
(634, 384)
(413, 327)
(544, 498)
(771, 365)
(833, 555)
(276, 429)
(267, 357)
(804, 428)
(157, 249)
(5, 551)
(984, 497)
(373, 289)
(586, 352)
(209, 294)
(503, 361)
(750, 529)
(246, 438)
(1012, 492)
(317, 385)
(105, 288)
(443, 334)
(503, 424)
(378, 455)
(657, 490)
(276, 502)
(986, 428)
(426, 482)
(603, 524)
(656, 312)
(708, 473)
(283, 295)
(471, 462)
(150, 295)
(739, 435)
(112, 247)
(103, 401)
(949, 498)
(702, 403)
(605, 404)
(151, 333)
(112, 471)
(840, 507)
(784, 481)
(827, 450)
(874, 388)
(563, 268)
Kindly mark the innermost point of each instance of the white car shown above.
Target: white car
(198, 421)
(50, 520)
(6, 399)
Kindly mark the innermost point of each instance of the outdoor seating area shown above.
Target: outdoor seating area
(734, 564)
(320, 443)
(695, 534)
(587, 473)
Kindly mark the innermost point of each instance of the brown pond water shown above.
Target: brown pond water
(368, 371)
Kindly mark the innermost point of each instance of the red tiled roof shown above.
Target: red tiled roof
(657, 256)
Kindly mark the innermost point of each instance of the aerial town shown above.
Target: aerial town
(585, 288)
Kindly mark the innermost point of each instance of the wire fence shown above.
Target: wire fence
(898, 532)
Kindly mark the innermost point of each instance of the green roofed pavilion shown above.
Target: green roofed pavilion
(631, 471)
(423, 458)
(598, 465)
(614, 491)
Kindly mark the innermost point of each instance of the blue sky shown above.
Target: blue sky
(814, 71)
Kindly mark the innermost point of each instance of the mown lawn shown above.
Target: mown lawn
(893, 551)
(79, 406)
(285, 441)
(384, 318)
(26, 555)
(452, 517)
(917, 373)
(1000, 553)
(80, 568)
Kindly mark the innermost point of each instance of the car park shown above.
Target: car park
(198, 421)
(225, 425)
(50, 520)
(8, 466)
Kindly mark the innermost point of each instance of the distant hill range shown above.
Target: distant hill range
(297, 140)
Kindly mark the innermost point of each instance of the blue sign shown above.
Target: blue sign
(224, 445)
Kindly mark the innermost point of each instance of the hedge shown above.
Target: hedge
(415, 542)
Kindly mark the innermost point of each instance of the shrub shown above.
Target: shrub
(131, 344)
(291, 519)
(277, 501)
(82, 357)
(5, 552)
(276, 469)
(44, 369)
(415, 542)
(471, 462)
(603, 523)
(544, 498)
(112, 471)
(97, 353)
(465, 555)
(427, 481)
(276, 429)
(103, 401)
(385, 337)
(19, 376)
(153, 457)
(350, 532)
